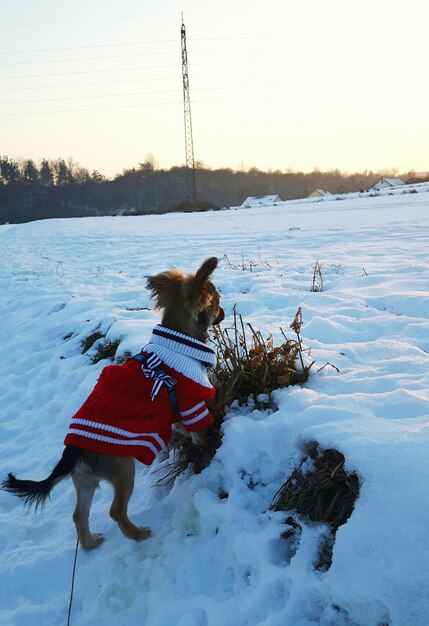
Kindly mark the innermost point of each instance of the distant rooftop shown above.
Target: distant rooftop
(387, 182)
(253, 201)
(323, 193)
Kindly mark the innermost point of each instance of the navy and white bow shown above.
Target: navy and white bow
(151, 368)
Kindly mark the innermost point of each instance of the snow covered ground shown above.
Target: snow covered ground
(222, 561)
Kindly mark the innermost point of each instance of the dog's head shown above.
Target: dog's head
(190, 302)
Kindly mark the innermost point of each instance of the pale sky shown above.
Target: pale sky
(275, 84)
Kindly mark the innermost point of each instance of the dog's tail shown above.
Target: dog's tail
(35, 492)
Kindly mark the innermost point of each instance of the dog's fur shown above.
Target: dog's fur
(190, 304)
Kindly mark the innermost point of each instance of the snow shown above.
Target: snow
(214, 560)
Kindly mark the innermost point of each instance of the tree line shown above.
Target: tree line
(59, 188)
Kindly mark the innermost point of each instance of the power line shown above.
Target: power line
(89, 19)
(323, 35)
(105, 82)
(103, 95)
(265, 98)
(124, 56)
(254, 86)
(257, 61)
(246, 11)
(110, 69)
(78, 60)
(121, 106)
(104, 45)
(259, 86)
(201, 77)
(173, 52)
(100, 83)
(286, 36)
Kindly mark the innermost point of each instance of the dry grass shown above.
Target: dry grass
(87, 343)
(246, 263)
(317, 282)
(101, 350)
(325, 494)
(247, 366)
(105, 350)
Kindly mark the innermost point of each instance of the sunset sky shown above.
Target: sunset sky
(275, 84)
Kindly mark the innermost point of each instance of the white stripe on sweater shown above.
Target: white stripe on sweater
(195, 408)
(196, 419)
(122, 442)
(116, 431)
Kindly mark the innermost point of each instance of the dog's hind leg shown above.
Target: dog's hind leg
(85, 483)
(123, 485)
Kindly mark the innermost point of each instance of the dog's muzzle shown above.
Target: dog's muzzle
(220, 317)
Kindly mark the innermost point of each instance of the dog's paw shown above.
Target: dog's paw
(93, 542)
(144, 533)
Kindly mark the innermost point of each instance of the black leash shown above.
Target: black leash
(72, 586)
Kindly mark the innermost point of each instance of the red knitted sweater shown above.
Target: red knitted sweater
(118, 417)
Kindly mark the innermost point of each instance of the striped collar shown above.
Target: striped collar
(182, 353)
(183, 344)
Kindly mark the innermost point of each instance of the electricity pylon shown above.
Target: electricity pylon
(189, 143)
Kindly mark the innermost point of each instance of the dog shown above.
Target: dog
(133, 407)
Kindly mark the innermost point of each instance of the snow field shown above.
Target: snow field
(213, 559)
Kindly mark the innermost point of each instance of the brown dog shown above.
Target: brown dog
(174, 362)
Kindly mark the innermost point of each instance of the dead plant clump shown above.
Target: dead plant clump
(102, 348)
(326, 494)
(247, 264)
(245, 368)
(105, 350)
(92, 338)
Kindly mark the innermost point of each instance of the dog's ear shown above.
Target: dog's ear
(161, 286)
(207, 269)
(196, 291)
